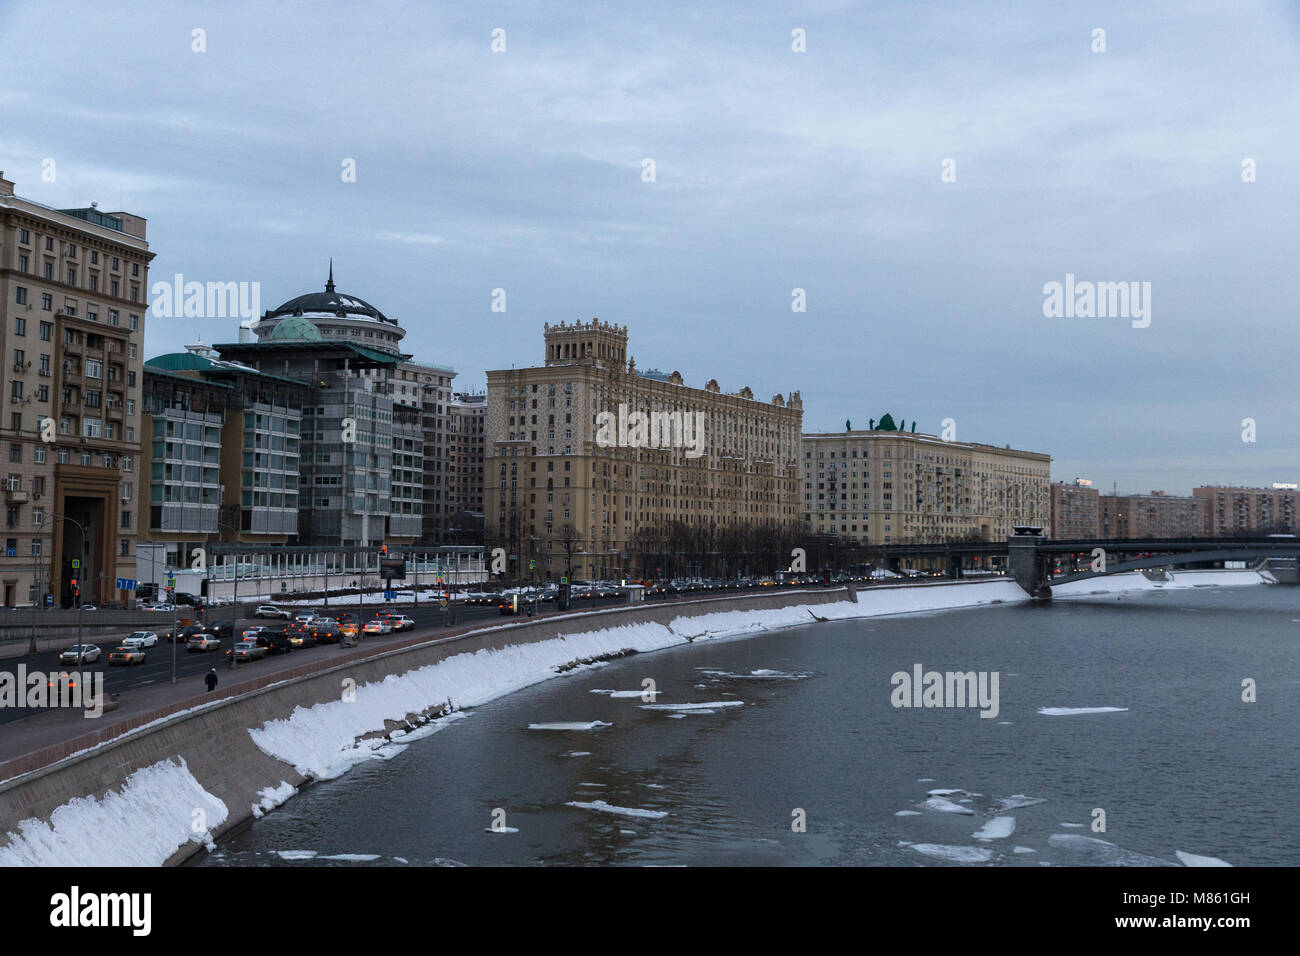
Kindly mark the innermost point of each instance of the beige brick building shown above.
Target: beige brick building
(465, 452)
(74, 290)
(1230, 511)
(1074, 510)
(885, 486)
(563, 450)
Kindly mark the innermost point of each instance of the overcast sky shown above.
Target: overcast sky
(774, 170)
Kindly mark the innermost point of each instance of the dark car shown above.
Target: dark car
(275, 641)
(329, 633)
(220, 629)
(299, 634)
(185, 634)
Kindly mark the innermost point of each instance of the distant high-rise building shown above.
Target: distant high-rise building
(884, 485)
(589, 461)
(1156, 515)
(465, 453)
(1233, 511)
(1074, 510)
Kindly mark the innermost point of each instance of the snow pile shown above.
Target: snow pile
(272, 797)
(320, 741)
(1136, 581)
(154, 813)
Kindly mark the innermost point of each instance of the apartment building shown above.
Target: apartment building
(884, 485)
(585, 454)
(1157, 515)
(1074, 510)
(73, 296)
(1235, 511)
(465, 453)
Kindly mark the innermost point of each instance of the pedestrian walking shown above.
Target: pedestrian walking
(211, 679)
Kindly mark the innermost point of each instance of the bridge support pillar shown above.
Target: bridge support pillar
(1027, 565)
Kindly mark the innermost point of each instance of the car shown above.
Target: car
(304, 617)
(349, 629)
(252, 633)
(169, 608)
(516, 604)
(183, 634)
(127, 654)
(274, 642)
(203, 642)
(400, 622)
(326, 633)
(220, 629)
(80, 654)
(270, 610)
(247, 651)
(300, 636)
(140, 639)
(377, 626)
(89, 607)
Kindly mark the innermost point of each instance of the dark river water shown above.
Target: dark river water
(1187, 767)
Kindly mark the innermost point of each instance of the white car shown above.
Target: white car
(160, 607)
(305, 617)
(140, 639)
(80, 654)
(270, 610)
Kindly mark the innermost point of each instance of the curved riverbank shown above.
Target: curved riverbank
(210, 769)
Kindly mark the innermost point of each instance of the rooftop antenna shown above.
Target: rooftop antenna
(329, 286)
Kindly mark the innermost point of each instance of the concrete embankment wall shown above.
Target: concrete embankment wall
(213, 739)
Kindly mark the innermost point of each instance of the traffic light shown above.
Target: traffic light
(383, 550)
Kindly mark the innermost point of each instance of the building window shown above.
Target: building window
(47, 331)
(39, 455)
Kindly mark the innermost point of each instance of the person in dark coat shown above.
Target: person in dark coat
(210, 678)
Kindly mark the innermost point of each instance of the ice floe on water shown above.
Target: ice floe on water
(586, 783)
(925, 780)
(571, 725)
(944, 805)
(1191, 859)
(1023, 849)
(1094, 852)
(1069, 824)
(351, 857)
(603, 807)
(999, 828)
(1075, 711)
(296, 854)
(710, 706)
(762, 673)
(907, 813)
(578, 753)
(627, 693)
(501, 829)
(1015, 802)
(954, 854)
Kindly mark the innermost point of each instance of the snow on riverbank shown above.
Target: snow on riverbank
(142, 823)
(1175, 580)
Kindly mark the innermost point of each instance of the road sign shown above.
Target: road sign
(11, 552)
(126, 584)
(564, 579)
(390, 595)
(443, 602)
(76, 563)
(532, 563)
(49, 600)
(171, 580)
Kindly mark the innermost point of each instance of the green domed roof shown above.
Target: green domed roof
(294, 329)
